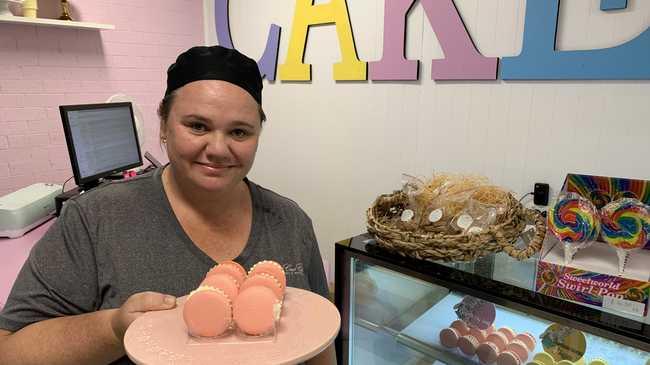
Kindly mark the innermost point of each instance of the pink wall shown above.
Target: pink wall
(43, 67)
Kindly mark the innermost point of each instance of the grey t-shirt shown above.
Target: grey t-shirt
(123, 238)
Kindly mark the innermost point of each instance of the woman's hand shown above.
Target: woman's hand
(90, 338)
(135, 306)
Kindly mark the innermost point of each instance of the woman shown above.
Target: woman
(130, 247)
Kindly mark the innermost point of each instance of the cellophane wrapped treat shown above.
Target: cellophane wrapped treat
(450, 204)
(415, 190)
(484, 207)
(451, 193)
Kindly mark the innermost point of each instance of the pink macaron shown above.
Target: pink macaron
(272, 268)
(508, 358)
(460, 327)
(487, 353)
(478, 334)
(223, 281)
(519, 348)
(256, 310)
(449, 337)
(207, 312)
(528, 340)
(468, 344)
(229, 267)
(499, 339)
(265, 280)
(509, 333)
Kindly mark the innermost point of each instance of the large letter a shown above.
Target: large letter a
(307, 14)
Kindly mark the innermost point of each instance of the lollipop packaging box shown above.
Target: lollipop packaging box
(601, 269)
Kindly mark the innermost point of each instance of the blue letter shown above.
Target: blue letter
(539, 60)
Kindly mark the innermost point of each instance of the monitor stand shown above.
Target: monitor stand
(60, 199)
(115, 176)
(89, 185)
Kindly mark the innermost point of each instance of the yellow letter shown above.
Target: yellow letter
(307, 14)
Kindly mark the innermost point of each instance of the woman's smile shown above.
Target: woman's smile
(215, 169)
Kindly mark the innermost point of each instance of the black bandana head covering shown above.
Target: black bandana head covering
(215, 63)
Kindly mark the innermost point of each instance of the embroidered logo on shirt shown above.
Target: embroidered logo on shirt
(291, 270)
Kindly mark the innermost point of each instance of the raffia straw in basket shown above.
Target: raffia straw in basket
(457, 247)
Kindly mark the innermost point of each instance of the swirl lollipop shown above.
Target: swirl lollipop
(625, 226)
(574, 221)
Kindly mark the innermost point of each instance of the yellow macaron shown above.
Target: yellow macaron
(598, 362)
(544, 358)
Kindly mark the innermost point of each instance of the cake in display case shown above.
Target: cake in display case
(401, 310)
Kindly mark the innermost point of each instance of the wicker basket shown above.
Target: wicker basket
(459, 247)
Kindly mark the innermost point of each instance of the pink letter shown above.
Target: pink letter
(462, 60)
(393, 64)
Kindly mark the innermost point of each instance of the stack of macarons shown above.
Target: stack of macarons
(228, 294)
(501, 346)
(516, 352)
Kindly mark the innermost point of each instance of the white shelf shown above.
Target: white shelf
(53, 22)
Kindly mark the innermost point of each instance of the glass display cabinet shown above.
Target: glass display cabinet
(398, 310)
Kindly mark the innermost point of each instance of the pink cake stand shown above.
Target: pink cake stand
(308, 324)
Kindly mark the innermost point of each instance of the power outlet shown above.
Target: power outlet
(540, 194)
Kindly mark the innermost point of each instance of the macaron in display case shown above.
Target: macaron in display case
(400, 310)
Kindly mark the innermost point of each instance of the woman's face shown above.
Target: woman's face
(212, 133)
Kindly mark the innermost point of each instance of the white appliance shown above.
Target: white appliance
(27, 208)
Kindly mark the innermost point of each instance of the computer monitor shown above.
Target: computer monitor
(102, 140)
